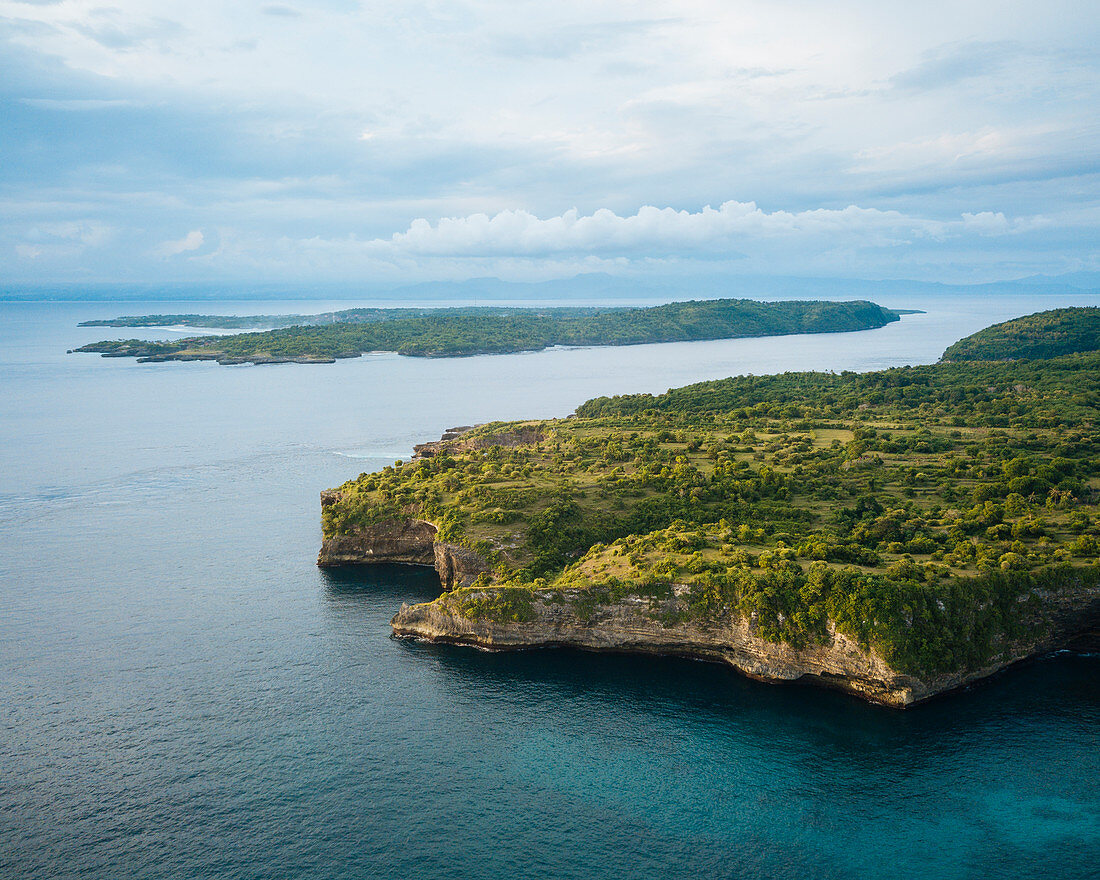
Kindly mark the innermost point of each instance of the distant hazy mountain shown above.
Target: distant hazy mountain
(595, 288)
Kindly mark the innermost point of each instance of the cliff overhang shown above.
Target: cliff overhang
(560, 619)
(404, 542)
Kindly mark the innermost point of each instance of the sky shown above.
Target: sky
(400, 142)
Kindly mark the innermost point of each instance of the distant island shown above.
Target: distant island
(471, 331)
(342, 316)
(895, 534)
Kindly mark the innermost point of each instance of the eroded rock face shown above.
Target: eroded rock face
(408, 541)
(630, 626)
(636, 625)
(1069, 617)
(457, 566)
(454, 440)
(411, 542)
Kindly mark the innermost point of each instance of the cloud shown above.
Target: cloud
(115, 30)
(454, 138)
(941, 150)
(78, 104)
(190, 242)
(571, 40)
(85, 232)
(660, 231)
(952, 63)
(280, 10)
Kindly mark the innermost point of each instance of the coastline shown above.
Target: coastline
(655, 626)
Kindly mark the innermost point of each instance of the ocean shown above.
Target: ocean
(186, 695)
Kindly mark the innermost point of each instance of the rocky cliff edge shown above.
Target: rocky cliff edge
(408, 542)
(558, 618)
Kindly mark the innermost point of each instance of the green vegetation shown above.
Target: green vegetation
(1042, 335)
(932, 513)
(344, 316)
(450, 333)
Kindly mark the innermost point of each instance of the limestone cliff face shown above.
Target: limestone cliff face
(457, 566)
(630, 626)
(1068, 617)
(410, 541)
(413, 541)
(456, 440)
(635, 625)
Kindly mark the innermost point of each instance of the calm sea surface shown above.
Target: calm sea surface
(184, 694)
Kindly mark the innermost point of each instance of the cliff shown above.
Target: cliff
(653, 626)
(894, 534)
(408, 542)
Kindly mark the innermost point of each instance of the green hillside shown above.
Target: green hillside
(1042, 335)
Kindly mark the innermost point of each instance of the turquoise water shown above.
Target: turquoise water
(186, 695)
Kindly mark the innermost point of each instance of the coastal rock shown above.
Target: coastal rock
(410, 542)
(639, 625)
(635, 626)
(457, 566)
(454, 440)
(406, 541)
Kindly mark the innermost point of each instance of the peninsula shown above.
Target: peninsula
(1042, 335)
(471, 331)
(894, 534)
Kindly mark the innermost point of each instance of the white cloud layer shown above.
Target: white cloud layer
(190, 242)
(660, 231)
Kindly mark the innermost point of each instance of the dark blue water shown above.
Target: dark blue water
(186, 695)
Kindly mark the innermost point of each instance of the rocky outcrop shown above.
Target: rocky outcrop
(443, 444)
(457, 566)
(455, 440)
(410, 542)
(635, 625)
(639, 625)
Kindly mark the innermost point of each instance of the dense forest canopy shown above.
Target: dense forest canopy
(933, 513)
(448, 333)
(1042, 335)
